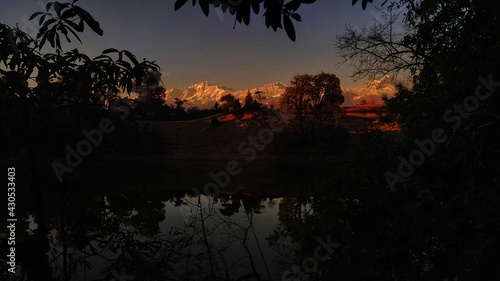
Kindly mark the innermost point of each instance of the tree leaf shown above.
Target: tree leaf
(42, 42)
(58, 42)
(179, 4)
(293, 5)
(89, 20)
(289, 28)
(296, 17)
(57, 8)
(47, 7)
(131, 57)
(80, 26)
(205, 7)
(363, 3)
(95, 26)
(69, 13)
(49, 22)
(268, 20)
(255, 7)
(124, 64)
(110, 50)
(73, 25)
(42, 18)
(51, 36)
(70, 28)
(246, 14)
(34, 15)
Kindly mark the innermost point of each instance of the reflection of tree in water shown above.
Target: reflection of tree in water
(232, 202)
(290, 236)
(116, 232)
(98, 237)
(217, 239)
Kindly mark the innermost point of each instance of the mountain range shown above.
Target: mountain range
(205, 94)
(372, 92)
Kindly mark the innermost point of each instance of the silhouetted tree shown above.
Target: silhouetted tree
(251, 104)
(313, 101)
(452, 64)
(152, 101)
(230, 104)
(68, 92)
(380, 49)
(179, 112)
(248, 100)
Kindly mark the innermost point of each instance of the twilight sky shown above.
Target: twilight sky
(191, 48)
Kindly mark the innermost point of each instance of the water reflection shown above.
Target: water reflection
(266, 229)
(227, 237)
(117, 229)
(159, 236)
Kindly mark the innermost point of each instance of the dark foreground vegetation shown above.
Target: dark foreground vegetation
(420, 206)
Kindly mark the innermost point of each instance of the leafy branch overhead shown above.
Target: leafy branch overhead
(70, 77)
(277, 13)
(63, 18)
(363, 3)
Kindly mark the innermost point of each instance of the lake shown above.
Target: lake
(140, 221)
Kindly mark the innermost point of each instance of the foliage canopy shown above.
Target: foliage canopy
(313, 101)
(277, 13)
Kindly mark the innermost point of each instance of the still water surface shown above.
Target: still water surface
(227, 234)
(143, 222)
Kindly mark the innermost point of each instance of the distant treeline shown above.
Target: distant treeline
(171, 112)
(150, 105)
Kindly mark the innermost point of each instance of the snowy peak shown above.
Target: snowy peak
(271, 88)
(173, 93)
(268, 91)
(371, 92)
(378, 83)
(205, 94)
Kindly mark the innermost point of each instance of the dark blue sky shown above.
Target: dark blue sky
(191, 48)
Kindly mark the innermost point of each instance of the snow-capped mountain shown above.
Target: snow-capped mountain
(171, 94)
(204, 94)
(372, 92)
(268, 94)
